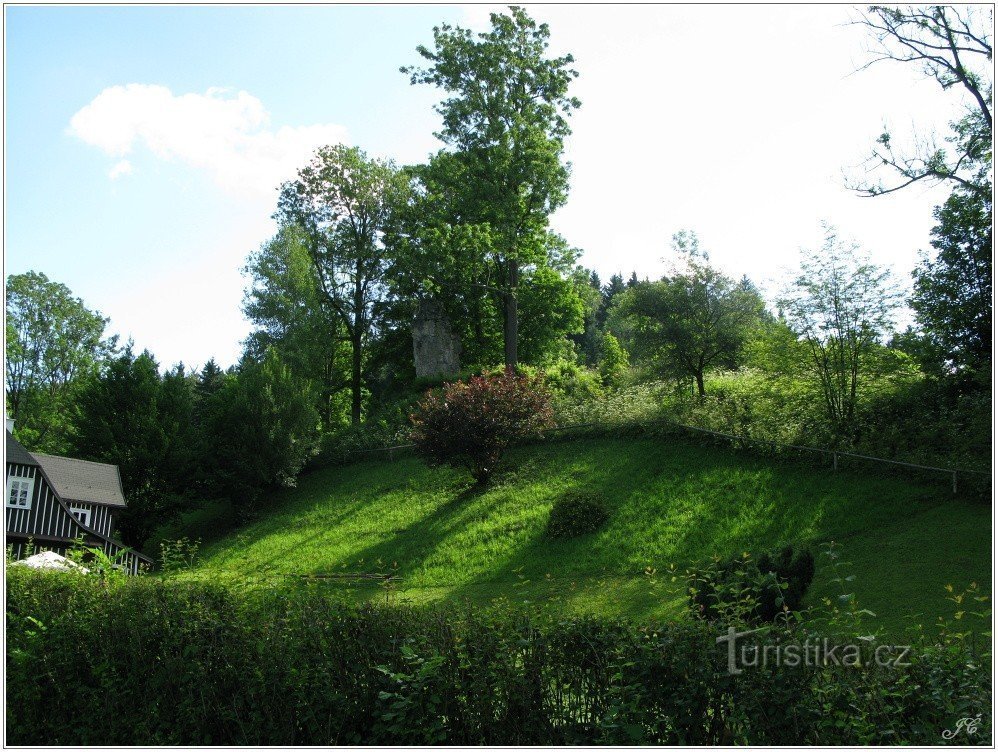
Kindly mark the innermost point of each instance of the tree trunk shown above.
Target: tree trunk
(510, 313)
(326, 408)
(701, 392)
(355, 382)
(478, 332)
(357, 342)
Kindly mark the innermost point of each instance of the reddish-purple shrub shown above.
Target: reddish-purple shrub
(471, 424)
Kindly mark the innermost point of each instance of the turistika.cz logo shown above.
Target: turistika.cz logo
(809, 653)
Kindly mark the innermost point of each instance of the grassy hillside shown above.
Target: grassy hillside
(673, 504)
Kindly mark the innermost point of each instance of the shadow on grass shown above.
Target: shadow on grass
(409, 547)
(672, 503)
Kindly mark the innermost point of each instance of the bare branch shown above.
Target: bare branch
(941, 40)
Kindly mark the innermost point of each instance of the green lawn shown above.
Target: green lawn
(673, 504)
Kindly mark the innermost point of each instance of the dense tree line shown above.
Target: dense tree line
(53, 343)
(362, 242)
(178, 437)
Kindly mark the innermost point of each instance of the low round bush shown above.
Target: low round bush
(578, 512)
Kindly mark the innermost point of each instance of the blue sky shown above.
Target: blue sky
(144, 145)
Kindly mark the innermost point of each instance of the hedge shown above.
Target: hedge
(153, 661)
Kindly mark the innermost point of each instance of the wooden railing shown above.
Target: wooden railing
(835, 454)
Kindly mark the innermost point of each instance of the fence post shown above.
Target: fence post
(835, 460)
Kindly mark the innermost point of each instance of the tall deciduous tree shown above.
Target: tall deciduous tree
(439, 252)
(341, 202)
(841, 305)
(952, 295)
(551, 307)
(690, 322)
(290, 314)
(53, 342)
(506, 122)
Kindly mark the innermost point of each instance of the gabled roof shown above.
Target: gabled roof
(17, 453)
(81, 480)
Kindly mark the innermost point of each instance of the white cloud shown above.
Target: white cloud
(124, 167)
(225, 134)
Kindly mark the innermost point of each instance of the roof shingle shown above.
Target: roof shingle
(82, 480)
(17, 453)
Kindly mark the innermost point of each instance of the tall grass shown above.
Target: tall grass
(670, 503)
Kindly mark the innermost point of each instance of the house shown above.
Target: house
(53, 501)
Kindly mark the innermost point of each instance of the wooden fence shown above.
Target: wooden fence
(835, 454)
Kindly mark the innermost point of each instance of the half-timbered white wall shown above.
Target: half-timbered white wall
(101, 516)
(47, 518)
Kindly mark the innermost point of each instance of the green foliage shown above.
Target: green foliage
(567, 381)
(688, 323)
(952, 295)
(176, 437)
(54, 343)
(226, 667)
(613, 360)
(132, 417)
(263, 427)
(616, 408)
(178, 554)
(413, 706)
(577, 512)
(590, 291)
(755, 404)
(472, 424)
(109, 570)
(438, 252)
(890, 414)
(549, 308)
(786, 406)
(841, 305)
(505, 120)
(339, 207)
(752, 591)
(893, 424)
(336, 447)
(285, 304)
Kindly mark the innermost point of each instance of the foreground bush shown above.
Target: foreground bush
(472, 424)
(774, 583)
(153, 662)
